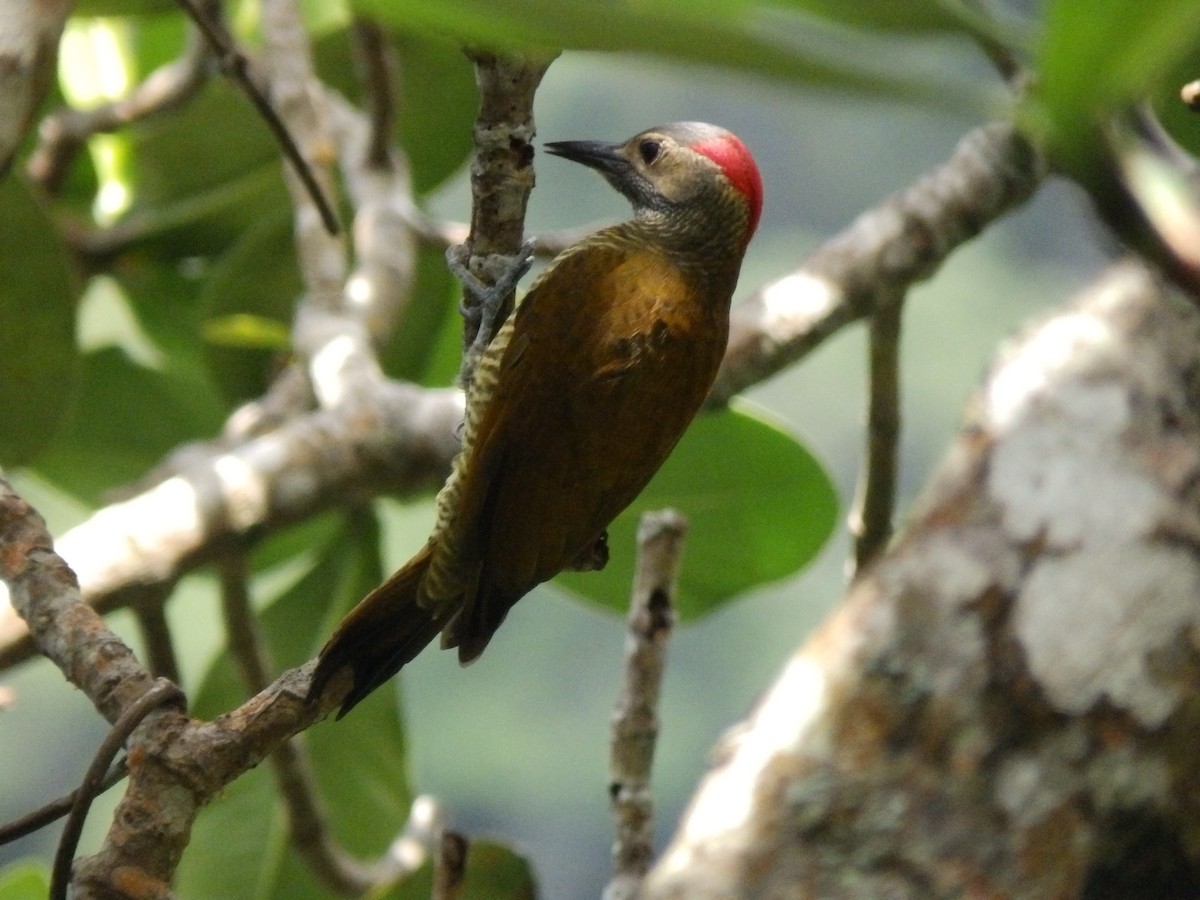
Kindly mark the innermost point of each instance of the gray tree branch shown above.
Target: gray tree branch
(29, 34)
(661, 538)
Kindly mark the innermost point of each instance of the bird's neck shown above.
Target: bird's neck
(706, 246)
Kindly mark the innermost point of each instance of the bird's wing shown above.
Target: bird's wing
(608, 361)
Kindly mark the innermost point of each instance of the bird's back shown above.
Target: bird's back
(581, 397)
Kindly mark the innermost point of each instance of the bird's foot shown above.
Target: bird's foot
(593, 557)
(483, 300)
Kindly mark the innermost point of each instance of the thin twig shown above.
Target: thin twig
(161, 692)
(246, 646)
(156, 633)
(63, 133)
(312, 837)
(57, 808)
(999, 40)
(291, 767)
(871, 521)
(378, 67)
(235, 64)
(450, 866)
(635, 721)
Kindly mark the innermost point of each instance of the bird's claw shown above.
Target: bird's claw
(593, 557)
(482, 301)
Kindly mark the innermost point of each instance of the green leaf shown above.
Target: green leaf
(759, 503)
(325, 16)
(165, 297)
(255, 281)
(889, 15)
(1101, 53)
(200, 176)
(156, 40)
(287, 545)
(24, 881)
(438, 98)
(1097, 56)
(1176, 117)
(122, 7)
(427, 347)
(496, 872)
(247, 332)
(360, 763)
(758, 38)
(127, 418)
(39, 362)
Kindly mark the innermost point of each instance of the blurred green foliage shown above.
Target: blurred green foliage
(39, 364)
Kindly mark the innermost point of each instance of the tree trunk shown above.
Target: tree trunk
(1006, 704)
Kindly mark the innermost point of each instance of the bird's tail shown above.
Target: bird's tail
(380, 635)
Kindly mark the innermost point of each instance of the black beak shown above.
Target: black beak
(604, 158)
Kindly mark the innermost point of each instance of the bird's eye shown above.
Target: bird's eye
(649, 151)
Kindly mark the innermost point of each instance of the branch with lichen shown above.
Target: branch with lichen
(168, 754)
(988, 711)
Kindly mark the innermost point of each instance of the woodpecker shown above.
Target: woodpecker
(575, 403)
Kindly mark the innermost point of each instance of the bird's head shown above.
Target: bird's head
(689, 172)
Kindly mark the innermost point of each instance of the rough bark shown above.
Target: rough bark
(1005, 704)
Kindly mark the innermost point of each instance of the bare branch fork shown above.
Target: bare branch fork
(168, 755)
(63, 133)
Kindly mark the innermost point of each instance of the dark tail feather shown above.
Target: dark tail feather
(379, 636)
(472, 628)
